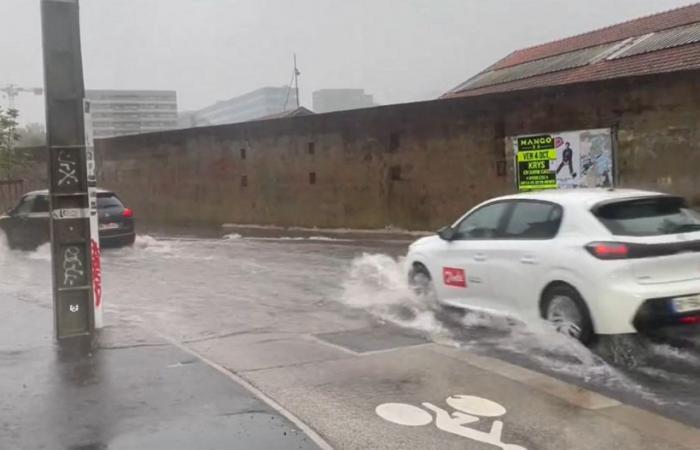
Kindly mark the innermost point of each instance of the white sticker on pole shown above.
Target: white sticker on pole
(69, 213)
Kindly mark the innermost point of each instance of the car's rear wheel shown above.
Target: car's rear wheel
(566, 310)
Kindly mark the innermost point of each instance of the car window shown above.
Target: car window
(533, 220)
(108, 201)
(482, 223)
(648, 217)
(25, 206)
(41, 204)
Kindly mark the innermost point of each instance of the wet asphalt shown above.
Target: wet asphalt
(125, 388)
(200, 290)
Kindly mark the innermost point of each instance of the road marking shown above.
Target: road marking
(469, 409)
(647, 422)
(403, 414)
(318, 340)
(575, 395)
(310, 432)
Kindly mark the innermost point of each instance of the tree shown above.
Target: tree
(32, 135)
(12, 159)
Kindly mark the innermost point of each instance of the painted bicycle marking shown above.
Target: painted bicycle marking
(469, 409)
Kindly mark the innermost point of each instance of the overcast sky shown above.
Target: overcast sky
(209, 50)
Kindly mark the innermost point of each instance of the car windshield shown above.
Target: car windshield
(648, 216)
(108, 201)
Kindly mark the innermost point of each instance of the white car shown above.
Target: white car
(593, 261)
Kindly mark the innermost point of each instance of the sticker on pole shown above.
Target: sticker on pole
(454, 277)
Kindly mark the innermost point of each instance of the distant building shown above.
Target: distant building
(120, 112)
(187, 119)
(327, 100)
(259, 103)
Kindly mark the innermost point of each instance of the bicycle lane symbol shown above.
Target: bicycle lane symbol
(470, 409)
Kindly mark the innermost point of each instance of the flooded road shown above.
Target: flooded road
(201, 291)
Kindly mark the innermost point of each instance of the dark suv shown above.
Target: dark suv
(27, 224)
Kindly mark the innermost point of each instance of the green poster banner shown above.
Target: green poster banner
(534, 156)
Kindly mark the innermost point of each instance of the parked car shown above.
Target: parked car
(598, 261)
(27, 224)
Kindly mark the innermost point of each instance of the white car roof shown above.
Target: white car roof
(585, 197)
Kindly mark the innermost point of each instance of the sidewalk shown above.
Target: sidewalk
(378, 389)
(125, 390)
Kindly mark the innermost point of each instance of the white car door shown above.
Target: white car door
(463, 277)
(522, 255)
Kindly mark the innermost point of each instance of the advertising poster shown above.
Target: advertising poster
(564, 160)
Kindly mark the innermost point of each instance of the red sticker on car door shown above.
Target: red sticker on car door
(454, 277)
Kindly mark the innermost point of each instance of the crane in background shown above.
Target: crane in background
(11, 91)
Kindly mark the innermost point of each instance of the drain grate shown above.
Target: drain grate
(372, 339)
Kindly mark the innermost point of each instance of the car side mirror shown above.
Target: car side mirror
(447, 233)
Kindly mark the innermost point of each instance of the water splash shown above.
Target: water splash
(378, 284)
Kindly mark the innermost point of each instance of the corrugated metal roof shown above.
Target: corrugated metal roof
(615, 33)
(566, 61)
(664, 39)
(676, 59)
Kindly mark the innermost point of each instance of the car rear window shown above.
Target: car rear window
(108, 201)
(651, 216)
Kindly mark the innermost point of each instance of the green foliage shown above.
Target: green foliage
(32, 135)
(12, 160)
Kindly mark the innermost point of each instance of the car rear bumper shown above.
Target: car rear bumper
(658, 313)
(632, 307)
(117, 240)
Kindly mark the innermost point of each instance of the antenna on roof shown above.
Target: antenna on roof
(295, 79)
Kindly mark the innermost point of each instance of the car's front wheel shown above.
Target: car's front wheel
(566, 310)
(420, 280)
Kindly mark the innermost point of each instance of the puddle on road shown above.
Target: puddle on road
(660, 372)
(633, 365)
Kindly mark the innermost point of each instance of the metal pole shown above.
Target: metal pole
(68, 183)
(296, 79)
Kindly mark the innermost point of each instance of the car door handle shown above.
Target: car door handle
(528, 259)
(480, 257)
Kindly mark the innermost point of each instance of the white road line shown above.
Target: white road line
(311, 433)
(318, 340)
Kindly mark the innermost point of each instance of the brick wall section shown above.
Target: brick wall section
(414, 166)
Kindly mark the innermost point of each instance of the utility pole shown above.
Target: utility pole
(296, 79)
(68, 181)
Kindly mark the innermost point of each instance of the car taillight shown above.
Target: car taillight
(608, 250)
(128, 212)
(690, 320)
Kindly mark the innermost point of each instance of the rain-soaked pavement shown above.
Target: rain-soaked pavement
(327, 328)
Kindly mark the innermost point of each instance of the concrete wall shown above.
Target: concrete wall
(415, 166)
